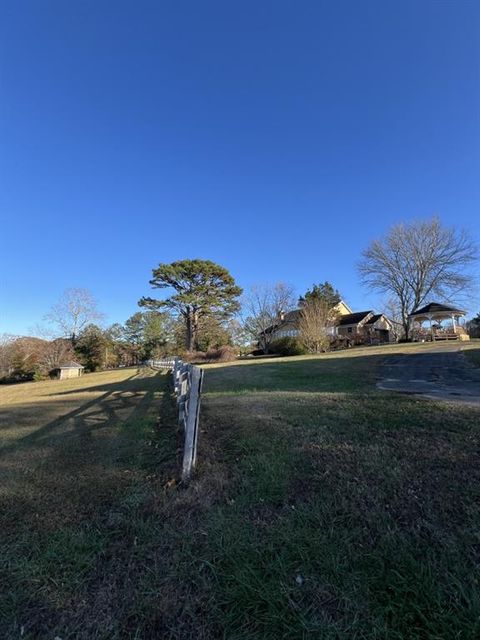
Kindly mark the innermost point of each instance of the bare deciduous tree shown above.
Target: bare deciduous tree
(75, 310)
(54, 353)
(416, 261)
(6, 352)
(24, 356)
(392, 310)
(20, 356)
(473, 326)
(316, 316)
(263, 307)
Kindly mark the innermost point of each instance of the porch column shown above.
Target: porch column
(453, 323)
(431, 327)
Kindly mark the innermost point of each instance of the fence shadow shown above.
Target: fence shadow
(129, 399)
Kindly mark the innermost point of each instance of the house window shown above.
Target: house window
(350, 330)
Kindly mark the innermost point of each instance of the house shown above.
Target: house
(359, 327)
(365, 326)
(288, 322)
(68, 370)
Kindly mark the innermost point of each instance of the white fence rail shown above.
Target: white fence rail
(165, 363)
(188, 381)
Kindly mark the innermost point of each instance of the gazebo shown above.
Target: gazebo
(435, 313)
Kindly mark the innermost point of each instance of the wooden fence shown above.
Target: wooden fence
(188, 381)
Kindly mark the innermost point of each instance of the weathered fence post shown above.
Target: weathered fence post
(187, 383)
(183, 394)
(192, 421)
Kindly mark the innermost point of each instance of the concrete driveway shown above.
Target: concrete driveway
(442, 372)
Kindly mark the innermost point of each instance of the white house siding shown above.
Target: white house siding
(382, 324)
(284, 333)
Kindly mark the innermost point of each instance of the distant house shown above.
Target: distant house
(365, 326)
(362, 326)
(68, 370)
(288, 322)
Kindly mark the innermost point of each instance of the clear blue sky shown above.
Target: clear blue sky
(276, 138)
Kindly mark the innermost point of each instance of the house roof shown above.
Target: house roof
(353, 318)
(291, 316)
(436, 307)
(342, 302)
(294, 316)
(70, 365)
(374, 318)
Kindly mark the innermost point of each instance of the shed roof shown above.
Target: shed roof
(70, 365)
(436, 308)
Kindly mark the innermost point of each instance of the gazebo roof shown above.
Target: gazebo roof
(435, 309)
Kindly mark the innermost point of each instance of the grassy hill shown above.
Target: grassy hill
(322, 508)
(81, 462)
(346, 512)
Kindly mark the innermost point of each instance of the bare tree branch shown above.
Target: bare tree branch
(316, 316)
(73, 312)
(417, 261)
(263, 307)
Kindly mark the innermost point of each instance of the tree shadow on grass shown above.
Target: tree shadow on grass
(77, 493)
(132, 383)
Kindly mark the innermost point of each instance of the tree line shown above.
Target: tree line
(147, 334)
(205, 309)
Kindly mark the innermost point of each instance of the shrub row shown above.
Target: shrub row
(225, 353)
(287, 346)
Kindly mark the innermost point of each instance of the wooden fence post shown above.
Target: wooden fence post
(191, 431)
(187, 384)
(197, 417)
(183, 394)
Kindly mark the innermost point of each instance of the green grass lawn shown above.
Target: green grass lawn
(322, 508)
(82, 463)
(342, 511)
(473, 352)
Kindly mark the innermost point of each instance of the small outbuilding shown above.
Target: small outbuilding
(443, 322)
(68, 370)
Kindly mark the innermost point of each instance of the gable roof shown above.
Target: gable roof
(70, 365)
(293, 317)
(344, 304)
(374, 318)
(436, 307)
(353, 318)
(380, 316)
